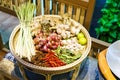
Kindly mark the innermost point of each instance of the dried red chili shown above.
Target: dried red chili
(52, 60)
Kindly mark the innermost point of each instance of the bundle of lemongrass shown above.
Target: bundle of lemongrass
(24, 45)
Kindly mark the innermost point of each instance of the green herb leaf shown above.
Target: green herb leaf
(110, 40)
(118, 38)
(109, 23)
(104, 29)
(113, 34)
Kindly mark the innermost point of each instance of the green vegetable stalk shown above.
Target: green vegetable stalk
(25, 46)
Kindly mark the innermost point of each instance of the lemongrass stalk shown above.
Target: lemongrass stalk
(25, 45)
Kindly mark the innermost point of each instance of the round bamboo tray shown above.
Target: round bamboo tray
(49, 70)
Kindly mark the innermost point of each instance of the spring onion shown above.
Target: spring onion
(24, 45)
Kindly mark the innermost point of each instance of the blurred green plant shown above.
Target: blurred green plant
(109, 24)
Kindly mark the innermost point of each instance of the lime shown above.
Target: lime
(82, 40)
(80, 35)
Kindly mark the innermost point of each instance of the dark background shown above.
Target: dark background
(96, 15)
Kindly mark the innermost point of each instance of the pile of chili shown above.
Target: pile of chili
(52, 60)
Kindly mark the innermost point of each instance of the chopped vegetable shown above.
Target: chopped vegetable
(52, 60)
(66, 55)
(73, 45)
(25, 45)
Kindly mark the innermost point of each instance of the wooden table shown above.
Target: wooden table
(103, 65)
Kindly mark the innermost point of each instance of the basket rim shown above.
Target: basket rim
(27, 64)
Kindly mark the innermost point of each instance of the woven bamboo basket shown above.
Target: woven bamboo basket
(49, 70)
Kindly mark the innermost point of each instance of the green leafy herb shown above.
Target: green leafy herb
(109, 24)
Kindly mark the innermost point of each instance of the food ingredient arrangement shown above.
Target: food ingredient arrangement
(50, 40)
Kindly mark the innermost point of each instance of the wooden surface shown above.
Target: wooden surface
(1, 42)
(8, 5)
(2, 54)
(80, 10)
(104, 67)
(97, 46)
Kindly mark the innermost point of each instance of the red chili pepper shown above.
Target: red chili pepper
(52, 60)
